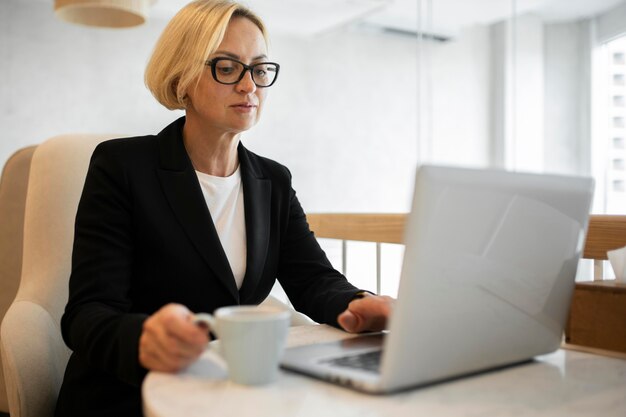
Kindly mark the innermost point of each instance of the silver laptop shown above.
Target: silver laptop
(487, 279)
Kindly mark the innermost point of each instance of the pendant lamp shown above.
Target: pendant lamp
(103, 13)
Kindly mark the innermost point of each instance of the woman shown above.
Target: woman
(189, 220)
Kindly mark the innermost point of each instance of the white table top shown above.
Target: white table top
(564, 383)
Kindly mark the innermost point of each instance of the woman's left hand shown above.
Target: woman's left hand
(369, 313)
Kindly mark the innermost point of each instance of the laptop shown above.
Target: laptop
(487, 279)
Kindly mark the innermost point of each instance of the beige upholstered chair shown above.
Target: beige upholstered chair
(33, 353)
(13, 184)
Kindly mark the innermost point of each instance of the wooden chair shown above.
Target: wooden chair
(377, 228)
(598, 312)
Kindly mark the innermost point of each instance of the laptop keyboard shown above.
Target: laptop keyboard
(368, 361)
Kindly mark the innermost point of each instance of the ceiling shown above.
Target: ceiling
(448, 17)
(298, 17)
(310, 17)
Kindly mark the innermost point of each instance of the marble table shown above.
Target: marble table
(564, 383)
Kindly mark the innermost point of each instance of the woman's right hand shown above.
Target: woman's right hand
(170, 341)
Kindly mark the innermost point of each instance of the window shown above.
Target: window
(609, 142)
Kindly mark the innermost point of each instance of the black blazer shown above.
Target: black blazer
(144, 238)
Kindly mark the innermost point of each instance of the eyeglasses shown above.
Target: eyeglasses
(230, 71)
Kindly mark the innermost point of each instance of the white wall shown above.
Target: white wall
(529, 95)
(570, 101)
(342, 115)
(567, 91)
(461, 85)
(612, 23)
(517, 84)
(59, 78)
(343, 118)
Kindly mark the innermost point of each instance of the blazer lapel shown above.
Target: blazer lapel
(256, 195)
(182, 190)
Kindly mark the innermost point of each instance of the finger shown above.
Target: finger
(348, 321)
(188, 332)
(173, 345)
(160, 339)
(170, 351)
(368, 314)
(182, 328)
(152, 357)
(183, 349)
(373, 306)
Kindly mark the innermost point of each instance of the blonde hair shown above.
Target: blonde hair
(188, 40)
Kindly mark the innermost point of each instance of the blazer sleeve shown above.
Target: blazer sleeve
(98, 324)
(305, 273)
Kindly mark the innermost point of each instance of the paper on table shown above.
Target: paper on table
(617, 258)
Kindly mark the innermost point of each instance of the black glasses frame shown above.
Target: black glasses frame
(212, 63)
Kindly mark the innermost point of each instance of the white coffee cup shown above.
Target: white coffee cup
(252, 340)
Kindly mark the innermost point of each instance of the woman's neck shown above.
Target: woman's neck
(211, 152)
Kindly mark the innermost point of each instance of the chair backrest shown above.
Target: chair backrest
(605, 232)
(597, 316)
(365, 227)
(33, 353)
(13, 185)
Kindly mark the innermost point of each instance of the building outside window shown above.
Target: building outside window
(609, 140)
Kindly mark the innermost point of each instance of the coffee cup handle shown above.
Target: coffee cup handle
(206, 319)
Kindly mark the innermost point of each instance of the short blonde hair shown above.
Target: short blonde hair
(188, 40)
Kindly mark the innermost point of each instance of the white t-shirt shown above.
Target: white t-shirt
(224, 198)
